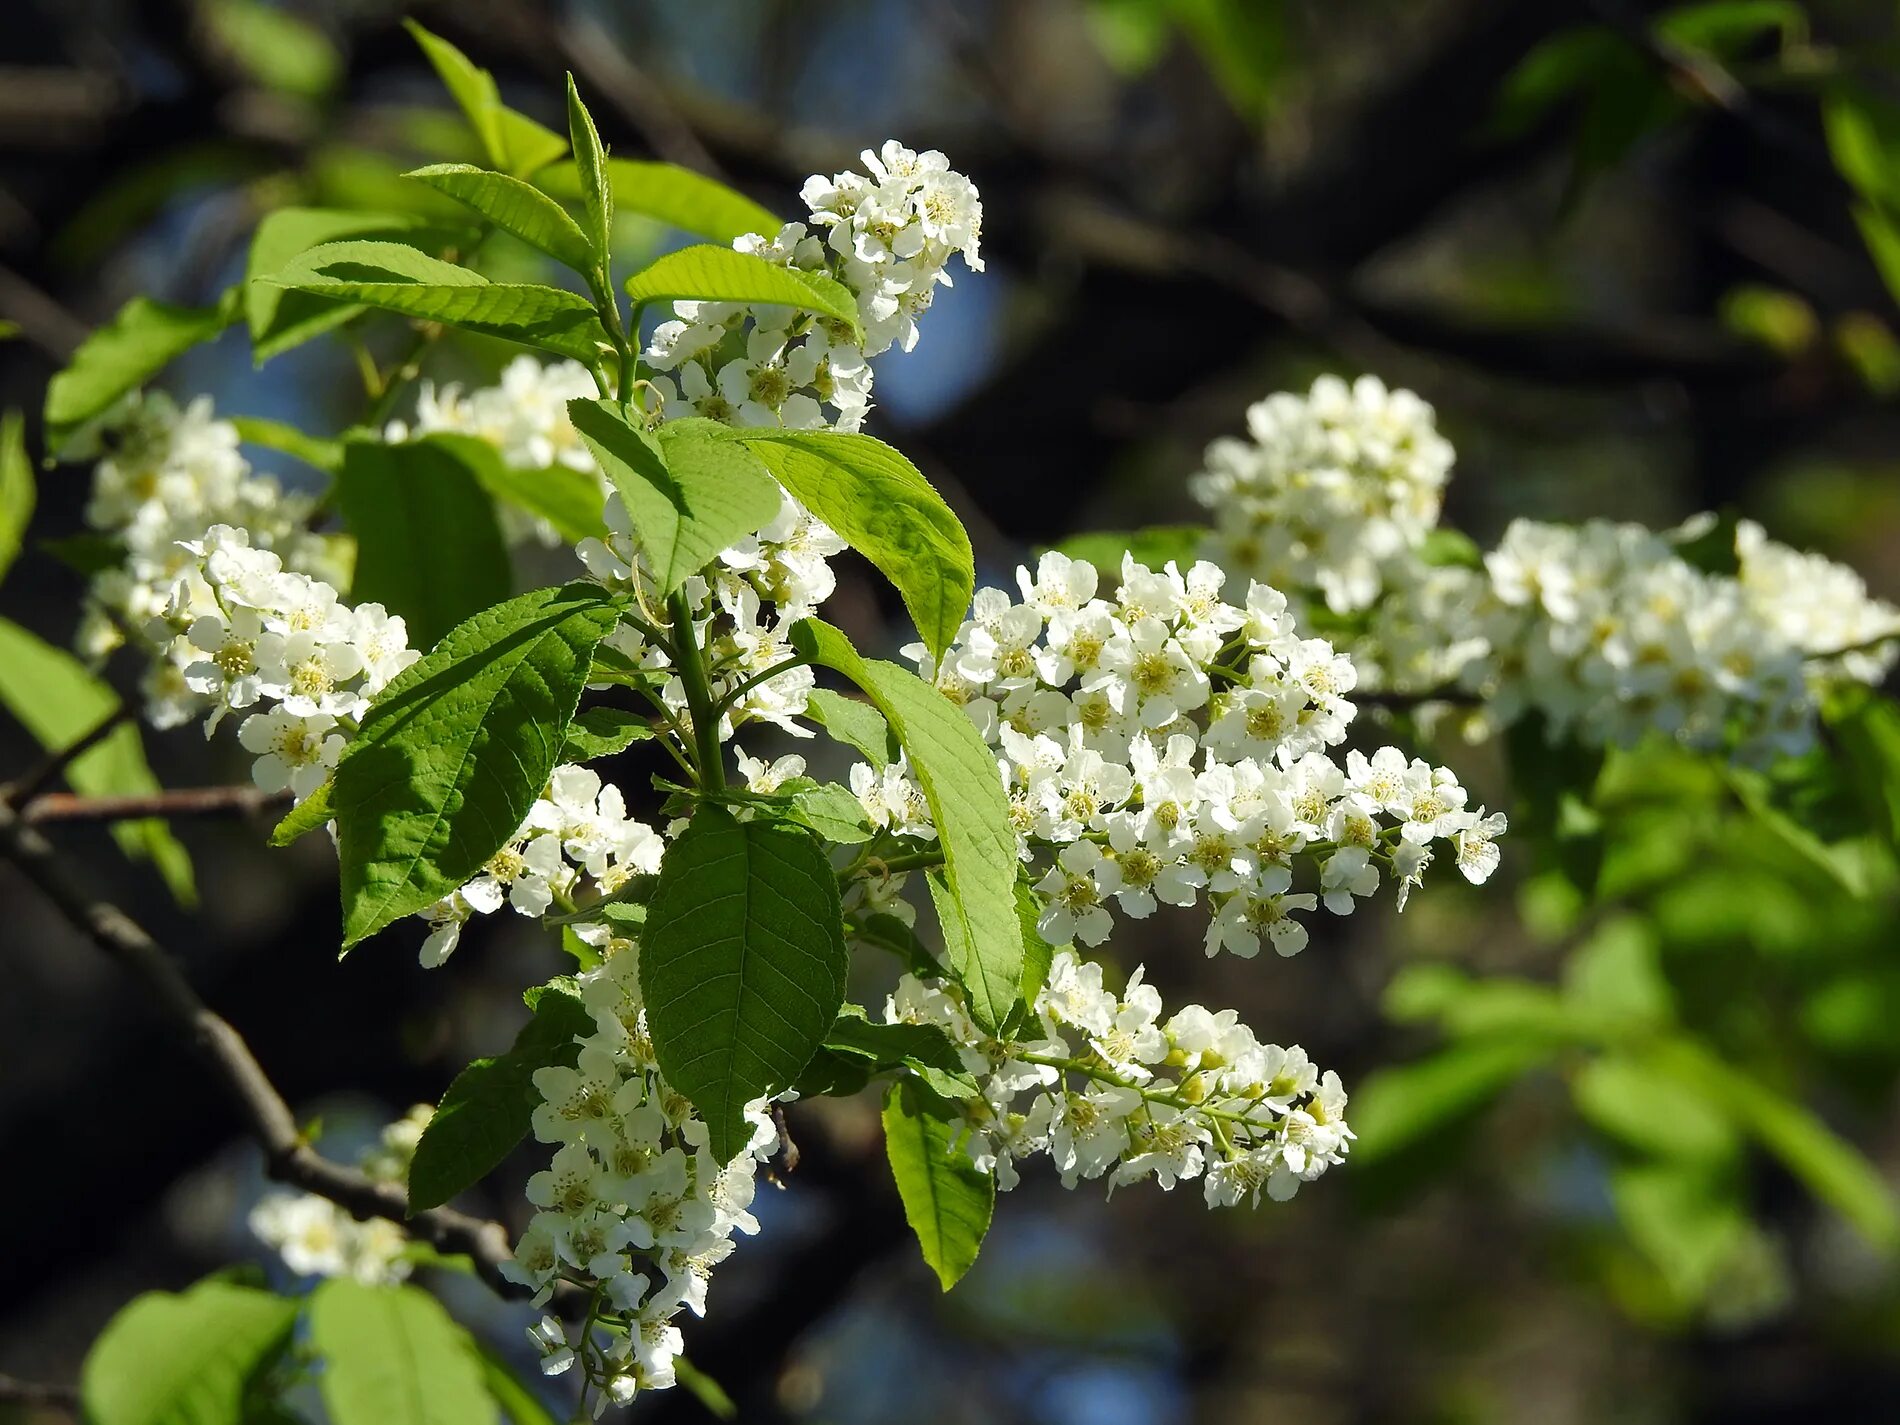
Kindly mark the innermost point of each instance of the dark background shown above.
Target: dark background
(1187, 205)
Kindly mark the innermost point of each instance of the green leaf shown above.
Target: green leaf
(513, 1394)
(513, 142)
(601, 732)
(400, 279)
(17, 494)
(309, 814)
(1635, 1098)
(676, 196)
(1450, 548)
(922, 1048)
(515, 207)
(1685, 1219)
(315, 451)
(742, 964)
(590, 171)
(1398, 1108)
(456, 749)
(703, 1388)
(278, 49)
(881, 505)
(719, 274)
(1153, 547)
(141, 341)
(489, 1108)
(428, 546)
(1866, 724)
(853, 723)
(185, 1359)
(831, 811)
(958, 775)
(1038, 953)
(393, 1356)
(280, 319)
(57, 700)
(570, 500)
(688, 495)
(947, 1199)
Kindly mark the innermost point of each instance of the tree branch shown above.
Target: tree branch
(36, 1395)
(176, 802)
(223, 1052)
(38, 779)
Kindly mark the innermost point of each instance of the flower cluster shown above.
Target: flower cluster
(1161, 745)
(317, 1238)
(1330, 489)
(634, 1201)
(164, 477)
(1608, 632)
(887, 237)
(1116, 1091)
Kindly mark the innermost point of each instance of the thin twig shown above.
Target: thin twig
(223, 1052)
(54, 765)
(37, 1395)
(176, 802)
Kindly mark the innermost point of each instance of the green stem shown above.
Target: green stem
(731, 699)
(690, 660)
(895, 865)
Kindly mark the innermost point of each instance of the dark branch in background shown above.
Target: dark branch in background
(34, 1395)
(178, 802)
(223, 1052)
(54, 764)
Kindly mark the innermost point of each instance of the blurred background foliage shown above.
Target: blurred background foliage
(1627, 1117)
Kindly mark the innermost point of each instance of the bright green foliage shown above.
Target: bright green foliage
(314, 451)
(515, 207)
(601, 732)
(17, 493)
(590, 171)
(688, 492)
(924, 1049)
(185, 1359)
(1868, 728)
(853, 723)
(568, 499)
(719, 274)
(59, 701)
(488, 1108)
(742, 964)
(141, 341)
(515, 1397)
(947, 1200)
(400, 279)
(957, 772)
(393, 1356)
(669, 194)
(829, 810)
(274, 46)
(1154, 547)
(881, 505)
(428, 546)
(456, 749)
(513, 142)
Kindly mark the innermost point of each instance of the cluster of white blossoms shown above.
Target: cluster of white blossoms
(634, 1202)
(1331, 488)
(1605, 630)
(888, 236)
(1116, 1091)
(1161, 745)
(1610, 634)
(164, 477)
(317, 1238)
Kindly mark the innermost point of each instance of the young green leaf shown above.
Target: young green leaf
(490, 1106)
(310, 813)
(590, 168)
(669, 194)
(1038, 953)
(601, 732)
(1154, 547)
(280, 319)
(947, 1199)
(315, 451)
(184, 1359)
(958, 775)
(58, 700)
(141, 341)
(719, 274)
(688, 495)
(400, 279)
(455, 750)
(742, 964)
(513, 142)
(853, 723)
(514, 1395)
(393, 1356)
(881, 505)
(831, 811)
(17, 493)
(922, 1048)
(428, 546)
(515, 207)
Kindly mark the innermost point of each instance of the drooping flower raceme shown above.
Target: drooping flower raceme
(1108, 1088)
(1162, 746)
